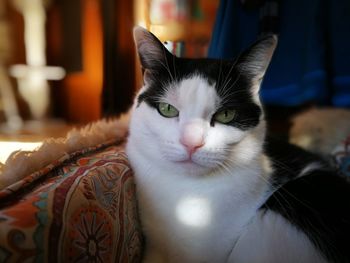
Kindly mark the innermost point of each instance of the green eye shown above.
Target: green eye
(225, 116)
(167, 110)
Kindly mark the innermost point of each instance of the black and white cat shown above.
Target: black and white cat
(211, 187)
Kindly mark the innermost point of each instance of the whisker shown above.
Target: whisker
(174, 67)
(166, 67)
(166, 60)
(229, 89)
(273, 188)
(229, 72)
(217, 85)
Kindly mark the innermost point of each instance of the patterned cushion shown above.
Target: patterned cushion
(82, 208)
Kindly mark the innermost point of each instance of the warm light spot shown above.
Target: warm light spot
(6, 148)
(194, 211)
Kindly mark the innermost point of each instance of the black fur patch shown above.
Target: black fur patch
(318, 203)
(233, 87)
(288, 160)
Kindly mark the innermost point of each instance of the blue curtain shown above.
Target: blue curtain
(312, 60)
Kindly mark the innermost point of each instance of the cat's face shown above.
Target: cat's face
(200, 115)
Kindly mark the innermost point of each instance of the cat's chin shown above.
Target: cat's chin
(191, 167)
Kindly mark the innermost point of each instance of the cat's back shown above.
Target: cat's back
(311, 199)
(318, 205)
(306, 219)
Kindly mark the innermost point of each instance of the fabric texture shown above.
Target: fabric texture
(309, 64)
(21, 163)
(80, 208)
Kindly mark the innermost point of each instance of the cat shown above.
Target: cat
(212, 186)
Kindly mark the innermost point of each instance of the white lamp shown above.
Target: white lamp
(33, 78)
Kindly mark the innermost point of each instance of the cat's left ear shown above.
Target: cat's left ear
(255, 60)
(152, 52)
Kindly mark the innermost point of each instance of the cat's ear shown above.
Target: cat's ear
(254, 61)
(152, 52)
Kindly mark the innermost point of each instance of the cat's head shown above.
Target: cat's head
(199, 115)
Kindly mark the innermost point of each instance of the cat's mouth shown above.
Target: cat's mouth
(203, 160)
(188, 161)
(192, 163)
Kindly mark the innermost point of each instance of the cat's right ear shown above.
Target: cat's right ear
(152, 52)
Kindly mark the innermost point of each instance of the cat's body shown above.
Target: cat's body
(211, 188)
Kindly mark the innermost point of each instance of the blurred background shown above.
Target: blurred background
(65, 63)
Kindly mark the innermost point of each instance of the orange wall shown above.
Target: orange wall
(83, 89)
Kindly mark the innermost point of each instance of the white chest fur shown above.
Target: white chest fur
(191, 219)
(213, 219)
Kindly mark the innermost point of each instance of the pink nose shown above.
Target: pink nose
(192, 137)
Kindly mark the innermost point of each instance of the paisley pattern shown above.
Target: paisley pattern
(81, 208)
(90, 236)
